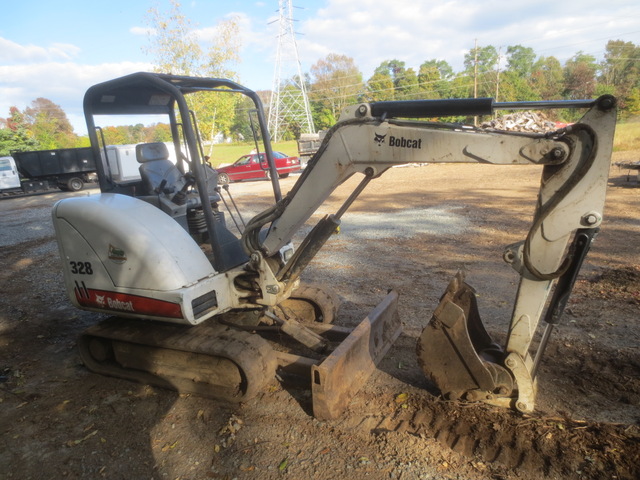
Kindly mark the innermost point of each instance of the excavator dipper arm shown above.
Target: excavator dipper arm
(455, 350)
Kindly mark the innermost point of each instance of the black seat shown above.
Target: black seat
(158, 173)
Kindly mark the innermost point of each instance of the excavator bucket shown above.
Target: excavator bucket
(456, 352)
(341, 374)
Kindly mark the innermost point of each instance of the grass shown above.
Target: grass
(627, 136)
(229, 152)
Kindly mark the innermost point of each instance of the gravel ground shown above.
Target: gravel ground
(57, 420)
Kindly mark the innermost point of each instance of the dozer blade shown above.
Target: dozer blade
(209, 360)
(340, 376)
(456, 352)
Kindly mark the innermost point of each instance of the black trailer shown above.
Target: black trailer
(65, 168)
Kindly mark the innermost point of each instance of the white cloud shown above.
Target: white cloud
(12, 52)
(370, 31)
(64, 83)
(142, 31)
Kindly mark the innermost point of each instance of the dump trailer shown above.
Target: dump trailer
(308, 145)
(64, 168)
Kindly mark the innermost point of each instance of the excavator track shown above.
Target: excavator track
(209, 359)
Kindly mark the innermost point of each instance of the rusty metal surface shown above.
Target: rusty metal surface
(456, 352)
(339, 377)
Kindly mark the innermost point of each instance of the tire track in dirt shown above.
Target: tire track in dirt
(536, 446)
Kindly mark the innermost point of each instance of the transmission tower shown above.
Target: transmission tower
(289, 103)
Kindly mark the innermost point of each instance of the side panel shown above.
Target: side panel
(122, 255)
(40, 163)
(137, 243)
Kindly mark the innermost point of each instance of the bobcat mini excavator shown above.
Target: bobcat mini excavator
(193, 306)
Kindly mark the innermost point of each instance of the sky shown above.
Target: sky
(57, 50)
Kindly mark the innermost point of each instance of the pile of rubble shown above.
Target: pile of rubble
(525, 121)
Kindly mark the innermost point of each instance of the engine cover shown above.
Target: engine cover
(122, 255)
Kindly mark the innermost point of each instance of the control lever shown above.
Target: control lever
(180, 197)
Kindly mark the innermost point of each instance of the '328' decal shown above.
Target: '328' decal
(81, 268)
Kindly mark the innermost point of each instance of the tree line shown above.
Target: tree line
(515, 73)
(507, 75)
(44, 126)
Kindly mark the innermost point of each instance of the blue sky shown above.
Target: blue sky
(57, 50)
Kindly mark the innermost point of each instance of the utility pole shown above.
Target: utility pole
(475, 77)
(495, 114)
(289, 104)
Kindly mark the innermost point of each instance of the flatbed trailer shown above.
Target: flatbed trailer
(630, 166)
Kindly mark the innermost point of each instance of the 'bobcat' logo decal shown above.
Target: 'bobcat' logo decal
(379, 139)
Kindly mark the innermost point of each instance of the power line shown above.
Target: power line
(289, 104)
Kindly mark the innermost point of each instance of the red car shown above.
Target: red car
(250, 167)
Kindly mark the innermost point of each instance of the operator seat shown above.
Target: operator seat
(158, 173)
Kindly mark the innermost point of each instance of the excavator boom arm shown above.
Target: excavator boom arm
(362, 143)
(368, 140)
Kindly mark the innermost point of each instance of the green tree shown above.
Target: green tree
(633, 102)
(216, 112)
(514, 88)
(115, 135)
(176, 49)
(172, 43)
(49, 125)
(379, 87)
(620, 70)
(242, 123)
(461, 86)
(547, 78)
(15, 136)
(407, 85)
(481, 66)
(520, 60)
(157, 132)
(394, 68)
(336, 83)
(580, 76)
(390, 81)
(433, 78)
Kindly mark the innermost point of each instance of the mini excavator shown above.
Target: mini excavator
(195, 307)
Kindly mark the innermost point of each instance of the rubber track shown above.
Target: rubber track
(252, 355)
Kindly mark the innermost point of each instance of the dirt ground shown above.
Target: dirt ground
(58, 420)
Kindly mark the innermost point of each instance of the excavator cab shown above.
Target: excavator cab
(172, 175)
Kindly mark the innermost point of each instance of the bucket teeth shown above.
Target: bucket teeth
(457, 353)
